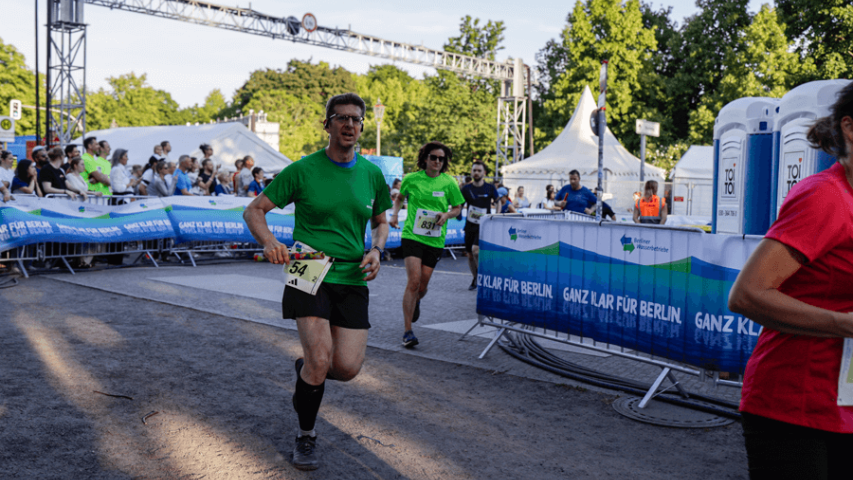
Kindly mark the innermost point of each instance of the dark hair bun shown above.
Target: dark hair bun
(822, 135)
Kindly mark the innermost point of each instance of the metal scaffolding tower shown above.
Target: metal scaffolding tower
(66, 71)
(512, 120)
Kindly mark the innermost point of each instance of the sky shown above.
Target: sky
(189, 61)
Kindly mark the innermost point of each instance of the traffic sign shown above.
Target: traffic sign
(7, 129)
(15, 109)
(645, 127)
(309, 22)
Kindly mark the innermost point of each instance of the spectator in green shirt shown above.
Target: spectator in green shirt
(97, 173)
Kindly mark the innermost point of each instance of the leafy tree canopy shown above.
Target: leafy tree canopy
(822, 30)
(599, 30)
(17, 82)
(132, 102)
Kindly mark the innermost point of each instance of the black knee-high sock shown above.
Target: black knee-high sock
(306, 402)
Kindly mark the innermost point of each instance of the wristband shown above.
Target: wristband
(381, 252)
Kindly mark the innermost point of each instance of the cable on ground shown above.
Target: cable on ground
(525, 348)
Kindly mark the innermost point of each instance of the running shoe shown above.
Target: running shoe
(304, 453)
(417, 313)
(473, 285)
(409, 339)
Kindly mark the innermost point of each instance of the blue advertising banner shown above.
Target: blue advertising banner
(187, 219)
(392, 167)
(655, 290)
(18, 228)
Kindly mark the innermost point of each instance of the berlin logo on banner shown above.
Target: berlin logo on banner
(516, 233)
(629, 244)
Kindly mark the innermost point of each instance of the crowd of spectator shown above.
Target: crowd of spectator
(571, 197)
(67, 172)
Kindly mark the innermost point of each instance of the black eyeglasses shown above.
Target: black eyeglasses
(346, 118)
(436, 158)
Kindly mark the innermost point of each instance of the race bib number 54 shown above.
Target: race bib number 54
(425, 223)
(309, 270)
(306, 275)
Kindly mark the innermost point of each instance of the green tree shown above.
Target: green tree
(822, 30)
(213, 107)
(314, 82)
(295, 97)
(597, 30)
(453, 113)
(665, 156)
(131, 102)
(765, 66)
(476, 41)
(479, 42)
(399, 92)
(300, 120)
(17, 82)
(703, 47)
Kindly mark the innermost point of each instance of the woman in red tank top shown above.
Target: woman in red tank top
(797, 285)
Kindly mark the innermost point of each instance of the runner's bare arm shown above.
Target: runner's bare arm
(379, 234)
(453, 213)
(398, 204)
(255, 218)
(755, 295)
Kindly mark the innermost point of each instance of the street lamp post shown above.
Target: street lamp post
(378, 111)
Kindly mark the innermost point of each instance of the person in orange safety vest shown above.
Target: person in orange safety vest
(650, 208)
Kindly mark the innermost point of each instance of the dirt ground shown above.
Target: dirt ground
(222, 391)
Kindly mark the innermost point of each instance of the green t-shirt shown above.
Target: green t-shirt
(427, 193)
(92, 164)
(333, 206)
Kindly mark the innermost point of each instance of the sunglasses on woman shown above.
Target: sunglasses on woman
(436, 158)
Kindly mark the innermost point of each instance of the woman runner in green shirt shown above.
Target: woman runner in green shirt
(431, 192)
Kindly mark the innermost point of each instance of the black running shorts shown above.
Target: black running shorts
(472, 236)
(343, 306)
(429, 255)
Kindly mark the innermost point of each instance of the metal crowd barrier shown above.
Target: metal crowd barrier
(44, 251)
(217, 248)
(102, 200)
(564, 215)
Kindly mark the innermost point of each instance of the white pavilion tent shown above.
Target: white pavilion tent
(693, 182)
(576, 148)
(230, 141)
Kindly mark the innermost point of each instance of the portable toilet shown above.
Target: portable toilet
(793, 158)
(743, 156)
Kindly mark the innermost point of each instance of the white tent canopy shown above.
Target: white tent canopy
(576, 148)
(693, 184)
(230, 141)
(697, 163)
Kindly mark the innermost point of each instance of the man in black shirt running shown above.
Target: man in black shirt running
(478, 195)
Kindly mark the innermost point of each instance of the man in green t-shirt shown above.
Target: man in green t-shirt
(97, 173)
(431, 192)
(335, 192)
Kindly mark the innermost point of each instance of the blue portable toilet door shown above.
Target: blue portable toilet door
(797, 159)
(730, 182)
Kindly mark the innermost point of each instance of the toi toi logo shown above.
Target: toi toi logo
(513, 234)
